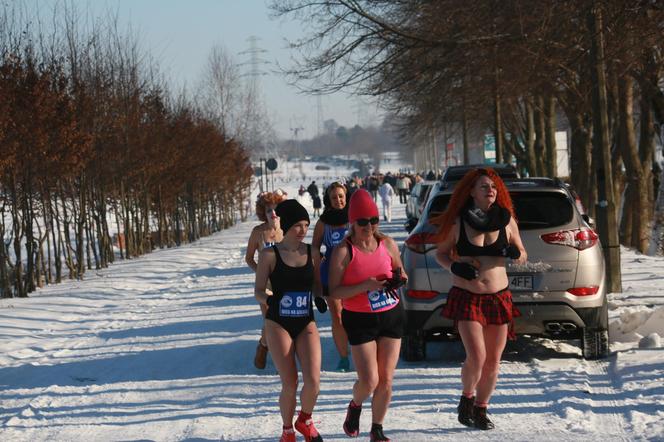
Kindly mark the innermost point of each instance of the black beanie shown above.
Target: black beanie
(290, 212)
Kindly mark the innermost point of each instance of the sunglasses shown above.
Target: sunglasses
(364, 221)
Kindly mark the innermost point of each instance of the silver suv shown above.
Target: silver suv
(560, 291)
(417, 198)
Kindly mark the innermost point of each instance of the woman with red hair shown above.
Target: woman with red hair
(266, 234)
(477, 232)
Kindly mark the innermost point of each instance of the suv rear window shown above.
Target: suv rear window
(541, 210)
(439, 204)
(534, 210)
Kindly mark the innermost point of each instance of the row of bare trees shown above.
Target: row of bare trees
(515, 66)
(91, 142)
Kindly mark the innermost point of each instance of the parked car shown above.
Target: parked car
(560, 291)
(417, 198)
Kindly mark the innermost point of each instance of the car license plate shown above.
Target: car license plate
(521, 282)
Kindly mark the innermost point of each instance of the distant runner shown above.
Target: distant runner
(331, 230)
(266, 234)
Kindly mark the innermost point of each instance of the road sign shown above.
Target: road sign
(489, 149)
(271, 164)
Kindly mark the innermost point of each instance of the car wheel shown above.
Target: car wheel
(595, 343)
(414, 346)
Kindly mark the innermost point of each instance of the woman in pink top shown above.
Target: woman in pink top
(365, 271)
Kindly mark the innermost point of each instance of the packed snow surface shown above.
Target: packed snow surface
(161, 348)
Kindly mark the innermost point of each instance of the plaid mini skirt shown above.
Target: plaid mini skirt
(490, 308)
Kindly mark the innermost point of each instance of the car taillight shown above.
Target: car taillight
(421, 294)
(420, 242)
(584, 291)
(580, 239)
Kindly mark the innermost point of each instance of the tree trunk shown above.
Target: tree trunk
(531, 158)
(464, 130)
(80, 228)
(5, 284)
(498, 126)
(638, 194)
(647, 155)
(18, 229)
(606, 211)
(550, 136)
(540, 136)
(28, 220)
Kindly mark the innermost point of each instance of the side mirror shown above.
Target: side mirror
(410, 224)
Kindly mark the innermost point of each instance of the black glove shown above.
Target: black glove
(512, 252)
(464, 270)
(321, 305)
(396, 281)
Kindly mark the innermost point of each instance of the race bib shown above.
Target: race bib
(379, 299)
(336, 237)
(295, 304)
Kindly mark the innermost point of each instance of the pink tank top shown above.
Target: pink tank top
(362, 266)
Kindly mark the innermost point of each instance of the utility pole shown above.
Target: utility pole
(254, 73)
(607, 224)
(296, 131)
(319, 115)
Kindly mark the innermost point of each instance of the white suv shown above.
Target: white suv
(560, 291)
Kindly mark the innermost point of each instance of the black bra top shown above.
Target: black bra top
(465, 248)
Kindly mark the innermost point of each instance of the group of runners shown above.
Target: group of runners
(358, 277)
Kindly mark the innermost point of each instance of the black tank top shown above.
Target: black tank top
(291, 280)
(466, 248)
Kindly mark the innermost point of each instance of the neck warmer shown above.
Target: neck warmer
(335, 217)
(494, 219)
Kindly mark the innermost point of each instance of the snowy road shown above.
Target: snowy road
(161, 348)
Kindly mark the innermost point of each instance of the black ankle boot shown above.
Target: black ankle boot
(482, 421)
(377, 434)
(465, 410)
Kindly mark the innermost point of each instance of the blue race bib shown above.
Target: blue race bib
(295, 304)
(379, 299)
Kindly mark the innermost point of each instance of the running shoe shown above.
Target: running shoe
(308, 430)
(288, 435)
(343, 365)
(481, 420)
(352, 422)
(465, 410)
(260, 360)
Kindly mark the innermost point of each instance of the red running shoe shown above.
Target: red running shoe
(308, 430)
(352, 422)
(288, 435)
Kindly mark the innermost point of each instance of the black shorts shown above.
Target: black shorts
(366, 327)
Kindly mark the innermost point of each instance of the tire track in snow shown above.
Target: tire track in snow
(583, 395)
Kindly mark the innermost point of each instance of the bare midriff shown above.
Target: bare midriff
(492, 276)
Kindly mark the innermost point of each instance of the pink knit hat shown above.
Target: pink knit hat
(361, 205)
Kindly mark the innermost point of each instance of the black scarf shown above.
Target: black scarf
(335, 217)
(494, 219)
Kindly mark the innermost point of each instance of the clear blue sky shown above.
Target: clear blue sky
(181, 33)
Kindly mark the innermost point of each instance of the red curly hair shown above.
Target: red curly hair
(265, 199)
(461, 196)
